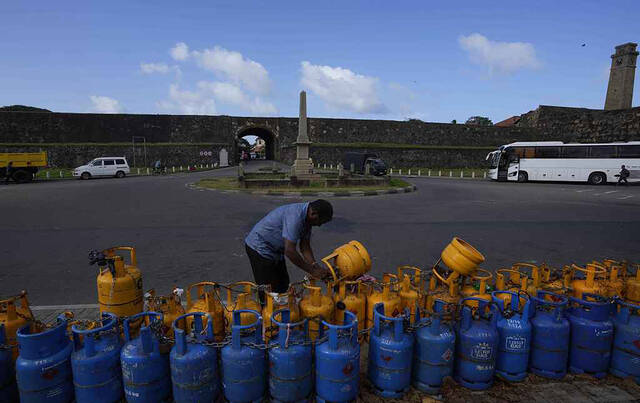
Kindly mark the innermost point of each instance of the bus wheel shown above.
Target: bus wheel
(597, 178)
(522, 176)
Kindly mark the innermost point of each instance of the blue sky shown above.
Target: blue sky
(430, 60)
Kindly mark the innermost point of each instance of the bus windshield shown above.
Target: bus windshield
(494, 158)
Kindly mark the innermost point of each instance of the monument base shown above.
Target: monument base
(303, 169)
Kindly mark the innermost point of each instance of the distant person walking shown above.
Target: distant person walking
(8, 172)
(623, 175)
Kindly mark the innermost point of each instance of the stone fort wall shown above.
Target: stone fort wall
(74, 138)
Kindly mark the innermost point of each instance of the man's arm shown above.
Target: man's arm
(291, 252)
(307, 252)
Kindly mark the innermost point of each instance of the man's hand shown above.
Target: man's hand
(319, 271)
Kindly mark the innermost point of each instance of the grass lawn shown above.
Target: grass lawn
(227, 183)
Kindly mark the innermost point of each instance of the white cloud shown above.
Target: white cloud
(235, 67)
(197, 102)
(341, 88)
(208, 94)
(103, 104)
(241, 84)
(504, 57)
(180, 52)
(228, 93)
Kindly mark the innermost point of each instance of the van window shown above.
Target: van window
(109, 162)
(120, 162)
(96, 163)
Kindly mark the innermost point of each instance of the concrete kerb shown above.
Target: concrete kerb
(354, 193)
(53, 178)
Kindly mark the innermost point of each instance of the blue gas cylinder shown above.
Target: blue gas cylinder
(338, 361)
(145, 364)
(625, 357)
(550, 336)
(43, 368)
(514, 330)
(194, 365)
(476, 344)
(95, 362)
(434, 351)
(290, 363)
(244, 369)
(591, 335)
(390, 354)
(8, 387)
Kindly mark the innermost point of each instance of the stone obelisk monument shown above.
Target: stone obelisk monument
(303, 166)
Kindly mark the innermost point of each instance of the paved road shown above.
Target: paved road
(184, 235)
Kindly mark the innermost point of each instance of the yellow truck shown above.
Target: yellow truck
(21, 167)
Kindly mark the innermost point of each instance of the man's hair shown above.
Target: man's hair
(323, 208)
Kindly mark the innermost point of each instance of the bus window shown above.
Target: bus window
(628, 151)
(529, 152)
(602, 151)
(547, 152)
(575, 152)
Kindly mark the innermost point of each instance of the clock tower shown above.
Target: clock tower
(623, 70)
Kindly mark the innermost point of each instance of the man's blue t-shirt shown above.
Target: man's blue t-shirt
(286, 222)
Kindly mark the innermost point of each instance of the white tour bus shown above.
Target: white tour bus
(596, 163)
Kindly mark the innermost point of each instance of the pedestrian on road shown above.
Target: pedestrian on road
(278, 234)
(623, 175)
(8, 172)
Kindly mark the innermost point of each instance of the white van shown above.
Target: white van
(103, 166)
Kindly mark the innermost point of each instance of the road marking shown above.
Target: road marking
(584, 190)
(625, 197)
(63, 307)
(611, 191)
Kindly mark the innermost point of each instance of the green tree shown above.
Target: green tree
(479, 121)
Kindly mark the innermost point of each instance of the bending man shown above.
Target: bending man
(277, 235)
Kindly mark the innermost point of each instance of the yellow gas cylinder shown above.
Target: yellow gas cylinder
(14, 317)
(275, 301)
(314, 304)
(460, 258)
(594, 281)
(207, 299)
(120, 284)
(246, 298)
(351, 297)
(617, 271)
(553, 281)
(412, 295)
(632, 286)
(170, 307)
(387, 295)
(533, 273)
(348, 262)
(477, 285)
(439, 290)
(510, 280)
